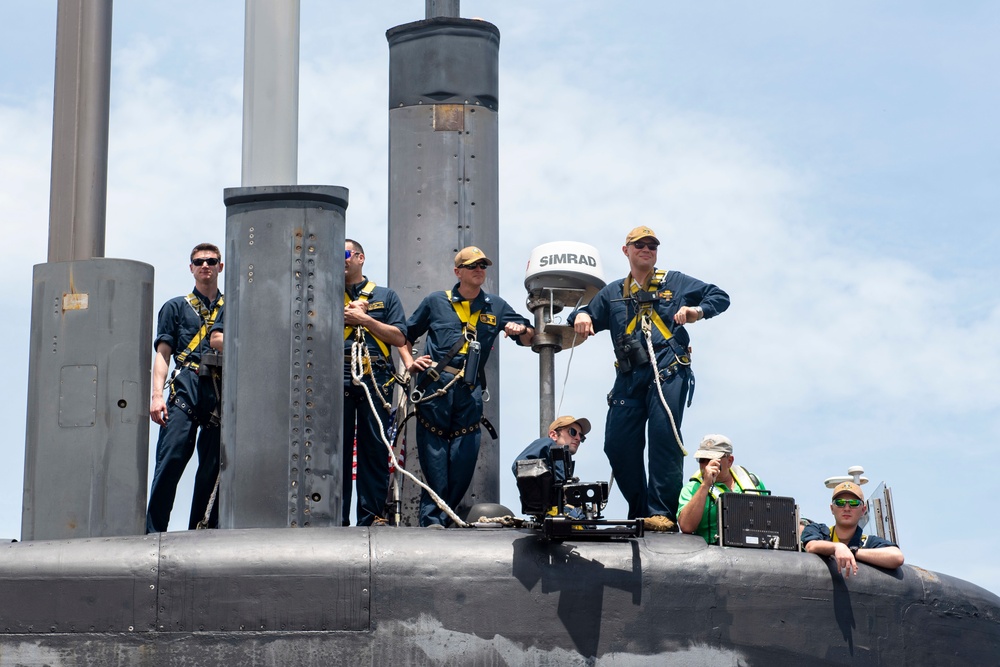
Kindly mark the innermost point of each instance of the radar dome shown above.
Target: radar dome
(562, 265)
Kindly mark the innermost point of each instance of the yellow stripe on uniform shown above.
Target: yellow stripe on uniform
(468, 319)
(366, 293)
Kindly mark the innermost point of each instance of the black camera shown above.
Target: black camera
(547, 484)
(630, 352)
(586, 494)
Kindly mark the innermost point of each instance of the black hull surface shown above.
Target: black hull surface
(388, 596)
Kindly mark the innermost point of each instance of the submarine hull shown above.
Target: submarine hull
(321, 596)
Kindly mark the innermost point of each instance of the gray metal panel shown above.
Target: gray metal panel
(443, 196)
(87, 435)
(79, 586)
(444, 60)
(78, 191)
(77, 396)
(282, 394)
(306, 580)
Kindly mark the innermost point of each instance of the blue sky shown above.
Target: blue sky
(833, 166)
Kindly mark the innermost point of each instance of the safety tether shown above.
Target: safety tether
(356, 378)
(647, 329)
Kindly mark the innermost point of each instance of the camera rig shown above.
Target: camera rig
(561, 507)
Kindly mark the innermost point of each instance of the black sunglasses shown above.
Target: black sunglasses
(481, 264)
(642, 245)
(573, 433)
(200, 261)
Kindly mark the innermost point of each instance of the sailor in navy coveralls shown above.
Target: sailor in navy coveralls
(448, 431)
(648, 303)
(378, 312)
(191, 405)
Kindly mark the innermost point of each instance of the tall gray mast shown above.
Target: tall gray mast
(271, 93)
(87, 432)
(282, 440)
(443, 180)
(79, 187)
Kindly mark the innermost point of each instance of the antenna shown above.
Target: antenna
(854, 474)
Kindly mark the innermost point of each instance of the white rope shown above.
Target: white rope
(356, 378)
(647, 330)
(211, 503)
(358, 365)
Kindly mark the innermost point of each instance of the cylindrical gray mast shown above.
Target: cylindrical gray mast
(271, 93)
(79, 187)
(283, 402)
(87, 432)
(282, 405)
(442, 8)
(443, 182)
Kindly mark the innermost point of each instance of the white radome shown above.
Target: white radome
(565, 265)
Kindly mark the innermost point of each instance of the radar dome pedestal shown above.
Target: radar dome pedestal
(559, 274)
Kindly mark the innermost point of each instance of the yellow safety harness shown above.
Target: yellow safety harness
(207, 321)
(366, 293)
(646, 310)
(467, 319)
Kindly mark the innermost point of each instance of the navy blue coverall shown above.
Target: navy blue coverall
(190, 407)
(448, 426)
(373, 458)
(634, 400)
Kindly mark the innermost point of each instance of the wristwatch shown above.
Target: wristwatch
(854, 550)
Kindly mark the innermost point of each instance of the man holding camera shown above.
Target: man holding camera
(649, 308)
(845, 541)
